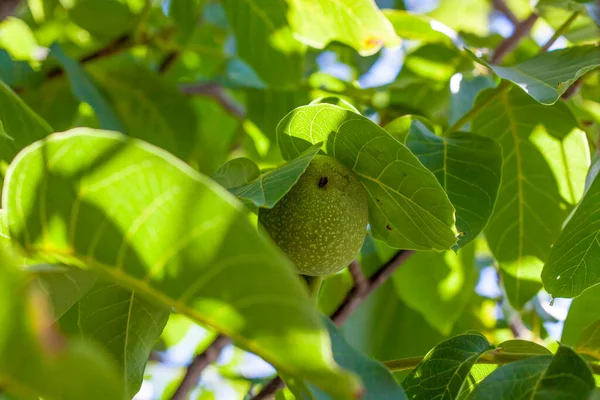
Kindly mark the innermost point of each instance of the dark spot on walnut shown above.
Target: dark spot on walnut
(323, 181)
(388, 227)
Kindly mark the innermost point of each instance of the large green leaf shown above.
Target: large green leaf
(378, 380)
(416, 27)
(565, 376)
(408, 208)
(547, 76)
(35, 361)
(269, 188)
(468, 167)
(573, 265)
(582, 313)
(149, 107)
(265, 41)
(85, 89)
(357, 23)
(169, 237)
(543, 175)
(444, 369)
(123, 323)
(64, 286)
(21, 124)
(438, 285)
(105, 19)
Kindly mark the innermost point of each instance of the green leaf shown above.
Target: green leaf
(464, 16)
(417, 27)
(357, 23)
(582, 313)
(85, 89)
(123, 323)
(565, 376)
(106, 19)
(468, 167)
(236, 172)
(268, 189)
(444, 369)
(547, 76)
(16, 73)
(545, 160)
(19, 123)
(35, 361)
(151, 108)
(438, 285)
(400, 127)
(523, 346)
(64, 287)
(60, 202)
(265, 40)
(17, 38)
(378, 380)
(462, 101)
(573, 263)
(408, 208)
(186, 13)
(54, 102)
(589, 342)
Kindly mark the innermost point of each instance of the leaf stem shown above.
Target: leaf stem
(559, 31)
(492, 357)
(474, 112)
(314, 286)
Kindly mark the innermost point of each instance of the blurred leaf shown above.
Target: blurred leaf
(378, 380)
(268, 189)
(17, 38)
(123, 323)
(150, 108)
(357, 23)
(466, 15)
(217, 130)
(468, 167)
(523, 346)
(21, 124)
(16, 73)
(547, 76)
(418, 27)
(582, 313)
(84, 88)
(203, 232)
(186, 14)
(438, 285)
(42, 9)
(265, 41)
(564, 376)
(54, 102)
(236, 172)
(64, 287)
(584, 29)
(545, 162)
(572, 265)
(106, 19)
(589, 342)
(408, 209)
(445, 368)
(35, 361)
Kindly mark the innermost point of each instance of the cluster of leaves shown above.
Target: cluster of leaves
(138, 138)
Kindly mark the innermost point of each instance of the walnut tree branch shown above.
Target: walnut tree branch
(216, 91)
(501, 6)
(359, 292)
(198, 364)
(522, 29)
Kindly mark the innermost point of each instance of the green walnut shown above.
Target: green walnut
(321, 222)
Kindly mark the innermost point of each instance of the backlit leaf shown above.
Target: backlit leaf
(357, 23)
(582, 313)
(236, 172)
(60, 204)
(545, 160)
(589, 342)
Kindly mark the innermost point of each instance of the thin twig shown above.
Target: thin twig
(216, 91)
(168, 61)
(571, 90)
(360, 291)
(521, 30)
(559, 32)
(501, 6)
(200, 362)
